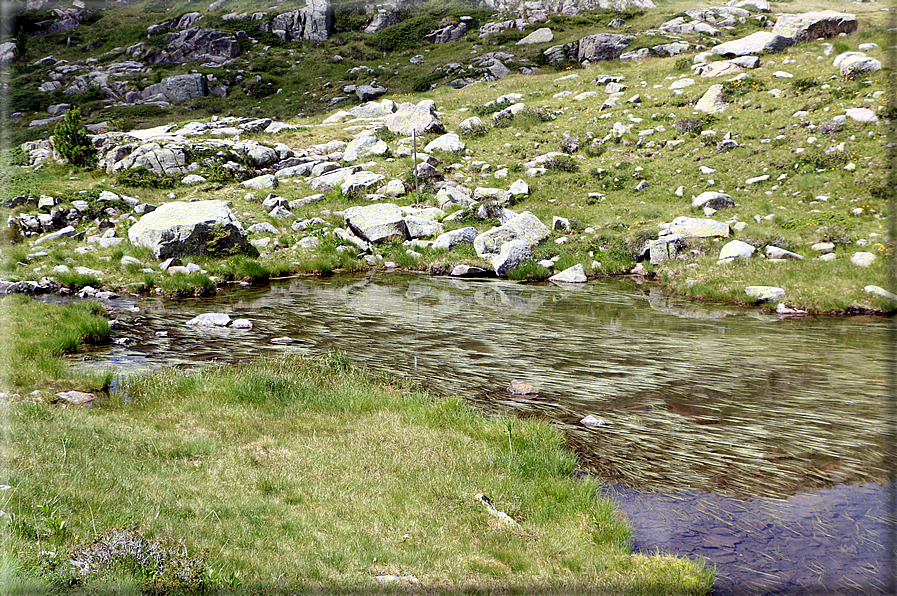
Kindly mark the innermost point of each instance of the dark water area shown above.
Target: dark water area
(754, 441)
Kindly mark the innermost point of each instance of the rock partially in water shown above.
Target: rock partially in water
(521, 388)
(209, 319)
(241, 324)
(765, 293)
(573, 275)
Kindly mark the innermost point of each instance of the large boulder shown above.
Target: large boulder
(543, 35)
(312, 23)
(513, 254)
(813, 25)
(420, 118)
(198, 45)
(178, 229)
(363, 147)
(374, 109)
(450, 240)
(699, 228)
(755, 43)
(602, 46)
(358, 182)
(713, 100)
(525, 226)
(179, 88)
(332, 179)
(377, 223)
(449, 197)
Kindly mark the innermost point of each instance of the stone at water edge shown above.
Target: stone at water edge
(467, 271)
(209, 319)
(572, 275)
(241, 324)
(512, 255)
(450, 240)
(377, 223)
(521, 388)
(765, 293)
(76, 398)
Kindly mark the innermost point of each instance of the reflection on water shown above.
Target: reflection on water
(697, 398)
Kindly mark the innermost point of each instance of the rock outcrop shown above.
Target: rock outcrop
(312, 23)
(206, 46)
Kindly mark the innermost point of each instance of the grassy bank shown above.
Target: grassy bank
(300, 475)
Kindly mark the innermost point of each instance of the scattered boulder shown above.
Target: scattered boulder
(448, 142)
(450, 240)
(712, 102)
(602, 46)
(363, 147)
(448, 197)
(862, 259)
(513, 254)
(543, 35)
(813, 25)
(774, 252)
(524, 226)
(736, 249)
(666, 248)
(198, 45)
(418, 118)
(177, 229)
(377, 223)
(359, 181)
(699, 228)
(713, 200)
(370, 92)
(179, 88)
(855, 66)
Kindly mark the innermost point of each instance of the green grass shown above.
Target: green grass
(309, 474)
(36, 337)
(182, 285)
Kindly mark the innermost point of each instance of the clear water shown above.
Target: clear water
(745, 421)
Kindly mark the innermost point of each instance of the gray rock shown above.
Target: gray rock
(736, 249)
(447, 142)
(879, 291)
(177, 229)
(856, 66)
(76, 398)
(712, 101)
(198, 45)
(572, 275)
(369, 92)
(280, 213)
(714, 200)
(765, 293)
(241, 324)
(756, 43)
(699, 228)
(448, 197)
(543, 35)
(467, 271)
(192, 179)
(314, 22)
(169, 159)
(512, 254)
(640, 54)
(862, 259)
(666, 248)
(348, 236)
(333, 179)
(209, 319)
(419, 227)
(377, 223)
(59, 108)
(262, 228)
(358, 182)
(861, 114)
(263, 182)
(364, 146)
(774, 252)
(602, 46)
(471, 125)
(823, 247)
(420, 118)
(450, 240)
(525, 226)
(813, 25)
(179, 88)
(373, 109)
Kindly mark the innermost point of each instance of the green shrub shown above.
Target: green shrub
(71, 140)
(76, 281)
(562, 162)
(804, 84)
(405, 35)
(682, 64)
(424, 83)
(741, 87)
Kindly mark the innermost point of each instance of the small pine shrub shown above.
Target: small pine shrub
(562, 162)
(682, 64)
(71, 140)
(143, 178)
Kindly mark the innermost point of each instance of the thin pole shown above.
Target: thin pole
(416, 185)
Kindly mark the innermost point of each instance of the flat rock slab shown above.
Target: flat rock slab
(756, 43)
(879, 291)
(525, 226)
(377, 223)
(177, 229)
(699, 228)
(543, 35)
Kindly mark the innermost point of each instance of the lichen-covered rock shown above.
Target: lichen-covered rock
(447, 142)
(359, 181)
(713, 200)
(712, 102)
(314, 22)
(699, 228)
(160, 159)
(179, 88)
(525, 226)
(513, 254)
(377, 223)
(572, 275)
(736, 249)
(177, 229)
(449, 197)
(363, 147)
(198, 45)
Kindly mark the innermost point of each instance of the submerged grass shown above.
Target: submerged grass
(305, 475)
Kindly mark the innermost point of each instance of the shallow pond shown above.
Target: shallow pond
(752, 440)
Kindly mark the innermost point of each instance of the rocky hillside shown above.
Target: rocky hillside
(733, 152)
